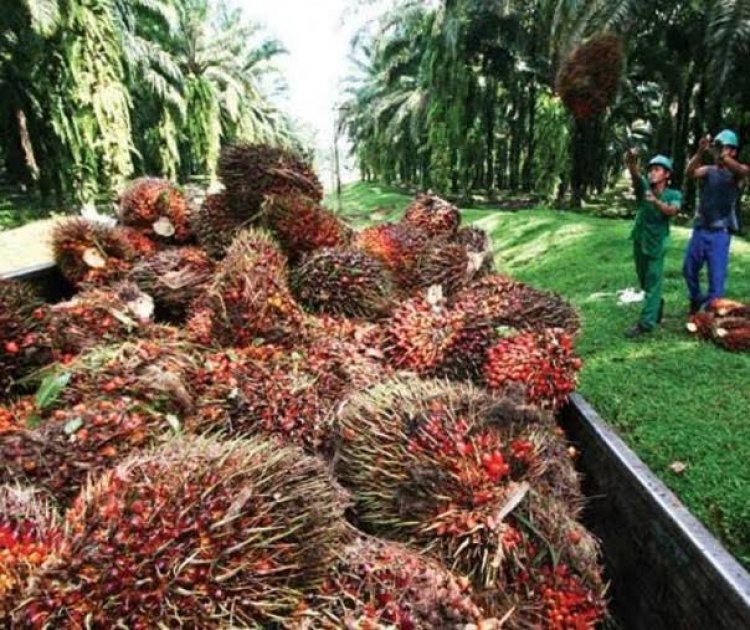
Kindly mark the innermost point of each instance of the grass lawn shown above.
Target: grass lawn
(672, 398)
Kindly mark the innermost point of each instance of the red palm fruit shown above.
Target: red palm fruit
(543, 362)
(398, 246)
(198, 533)
(433, 215)
(157, 208)
(344, 282)
(30, 535)
(90, 252)
(215, 225)
(302, 225)
(141, 244)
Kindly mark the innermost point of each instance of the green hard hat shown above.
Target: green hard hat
(727, 138)
(663, 161)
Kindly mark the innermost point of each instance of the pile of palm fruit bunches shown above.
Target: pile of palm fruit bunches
(251, 415)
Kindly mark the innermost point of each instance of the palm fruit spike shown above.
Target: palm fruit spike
(397, 245)
(157, 208)
(379, 584)
(433, 215)
(90, 252)
(302, 225)
(478, 244)
(97, 316)
(90, 437)
(343, 282)
(439, 465)
(249, 298)
(500, 301)
(29, 535)
(250, 172)
(174, 278)
(448, 265)
(23, 345)
(215, 225)
(544, 362)
(198, 533)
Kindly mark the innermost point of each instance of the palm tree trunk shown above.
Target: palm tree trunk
(26, 146)
(528, 169)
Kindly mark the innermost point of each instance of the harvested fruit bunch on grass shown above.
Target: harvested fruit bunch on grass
(23, 345)
(30, 534)
(503, 302)
(732, 333)
(248, 297)
(433, 340)
(344, 282)
(588, 80)
(90, 252)
(544, 362)
(302, 225)
(379, 584)
(701, 325)
(173, 278)
(157, 208)
(87, 438)
(448, 265)
(250, 172)
(441, 466)
(729, 308)
(198, 534)
(215, 225)
(397, 246)
(478, 244)
(97, 316)
(433, 215)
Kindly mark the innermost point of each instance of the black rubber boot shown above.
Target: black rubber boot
(695, 306)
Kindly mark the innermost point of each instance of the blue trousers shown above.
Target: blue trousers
(711, 248)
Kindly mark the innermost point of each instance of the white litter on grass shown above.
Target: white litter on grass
(630, 296)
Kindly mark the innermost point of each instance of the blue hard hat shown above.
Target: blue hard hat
(663, 161)
(727, 138)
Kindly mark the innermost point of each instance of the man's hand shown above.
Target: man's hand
(650, 196)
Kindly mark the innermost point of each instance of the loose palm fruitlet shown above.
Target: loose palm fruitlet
(250, 172)
(248, 298)
(57, 454)
(196, 534)
(441, 466)
(30, 534)
(23, 345)
(215, 225)
(588, 80)
(90, 252)
(344, 282)
(433, 215)
(173, 278)
(379, 584)
(543, 362)
(157, 208)
(302, 225)
(398, 246)
(501, 301)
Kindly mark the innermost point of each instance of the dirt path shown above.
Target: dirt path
(26, 246)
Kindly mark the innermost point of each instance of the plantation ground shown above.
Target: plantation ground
(672, 398)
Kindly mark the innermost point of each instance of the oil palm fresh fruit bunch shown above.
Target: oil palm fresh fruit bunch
(478, 244)
(433, 215)
(343, 282)
(141, 244)
(448, 265)
(397, 245)
(732, 333)
(215, 225)
(90, 252)
(198, 533)
(157, 208)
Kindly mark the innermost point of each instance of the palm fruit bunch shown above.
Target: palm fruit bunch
(97, 316)
(157, 208)
(543, 362)
(433, 215)
(173, 278)
(363, 337)
(380, 584)
(198, 533)
(733, 333)
(90, 252)
(588, 79)
(57, 453)
(248, 297)
(441, 466)
(448, 265)
(724, 307)
(398, 246)
(250, 172)
(29, 535)
(343, 282)
(501, 301)
(478, 244)
(215, 225)
(23, 344)
(141, 244)
(302, 225)
(430, 339)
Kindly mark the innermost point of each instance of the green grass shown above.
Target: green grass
(672, 398)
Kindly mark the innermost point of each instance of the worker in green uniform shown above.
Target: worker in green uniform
(656, 203)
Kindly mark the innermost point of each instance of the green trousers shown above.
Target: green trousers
(650, 272)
